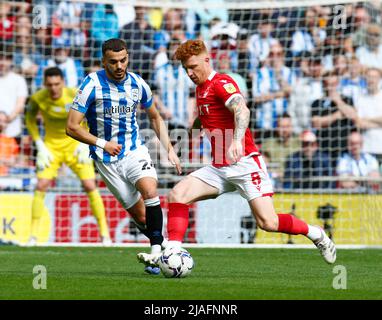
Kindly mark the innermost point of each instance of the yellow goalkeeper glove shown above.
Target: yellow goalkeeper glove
(82, 153)
(44, 156)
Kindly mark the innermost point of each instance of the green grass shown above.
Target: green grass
(114, 273)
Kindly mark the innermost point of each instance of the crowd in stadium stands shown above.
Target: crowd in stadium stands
(312, 79)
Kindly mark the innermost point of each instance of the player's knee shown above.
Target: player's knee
(176, 196)
(88, 185)
(268, 224)
(149, 194)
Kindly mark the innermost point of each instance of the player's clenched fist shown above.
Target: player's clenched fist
(235, 151)
(113, 148)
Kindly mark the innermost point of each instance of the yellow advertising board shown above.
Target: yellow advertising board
(15, 219)
(352, 219)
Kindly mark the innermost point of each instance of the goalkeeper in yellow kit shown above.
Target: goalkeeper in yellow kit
(54, 102)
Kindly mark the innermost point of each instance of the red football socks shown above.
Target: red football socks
(177, 221)
(291, 225)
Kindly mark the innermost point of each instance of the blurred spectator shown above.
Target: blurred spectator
(223, 40)
(340, 65)
(67, 25)
(173, 89)
(309, 36)
(23, 22)
(139, 38)
(9, 148)
(26, 58)
(259, 44)
(332, 118)
(125, 12)
(104, 26)
(369, 108)
(271, 88)
(243, 55)
(370, 54)
(7, 21)
(356, 163)
(72, 68)
(223, 65)
(354, 83)
(161, 58)
(172, 20)
(357, 23)
(281, 145)
(284, 20)
(304, 168)
(13, 93)
(42, 41)
(207, 16)
(335, 49)
(307, 89)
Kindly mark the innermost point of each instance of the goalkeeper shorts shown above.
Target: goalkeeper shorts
(82, 171)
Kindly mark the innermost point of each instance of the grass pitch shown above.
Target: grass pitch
(219, 274)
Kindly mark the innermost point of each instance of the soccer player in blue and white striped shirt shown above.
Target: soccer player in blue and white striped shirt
(109, 99)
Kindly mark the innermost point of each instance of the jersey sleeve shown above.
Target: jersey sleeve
(146, 97)
(226, 89)
(31, 118)
(85, 96)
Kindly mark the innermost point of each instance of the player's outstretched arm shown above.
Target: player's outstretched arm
(75, 130)
(161, 132)
(241, 112)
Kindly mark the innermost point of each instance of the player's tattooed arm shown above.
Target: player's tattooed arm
(241, 112)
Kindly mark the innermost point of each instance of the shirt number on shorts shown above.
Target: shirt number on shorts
(256, 180)
(147, 165)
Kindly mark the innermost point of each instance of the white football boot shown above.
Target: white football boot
(149, 259)
(326, 247)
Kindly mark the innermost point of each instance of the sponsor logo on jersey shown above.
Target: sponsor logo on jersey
(108, 112)
(229, 87)
(106, 96)
(204, 109)
(135, 94)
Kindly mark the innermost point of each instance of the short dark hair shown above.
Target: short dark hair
(53, 72)
(114, 45)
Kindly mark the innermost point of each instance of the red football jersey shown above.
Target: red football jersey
(217, 120)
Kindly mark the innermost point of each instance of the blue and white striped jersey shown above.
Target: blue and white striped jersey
(265, 81)
(110, 108)
(174, 91)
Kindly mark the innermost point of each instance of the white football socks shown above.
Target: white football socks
(314, 232)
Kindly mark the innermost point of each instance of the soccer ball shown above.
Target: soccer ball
(176, 263)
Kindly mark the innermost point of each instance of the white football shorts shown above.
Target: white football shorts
(248, 176)
(121, 176)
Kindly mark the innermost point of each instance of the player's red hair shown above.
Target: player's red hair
(190, 48)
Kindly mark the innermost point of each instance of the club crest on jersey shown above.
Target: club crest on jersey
(135, 94)
(229, 87)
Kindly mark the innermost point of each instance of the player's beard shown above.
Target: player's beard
(119, 74)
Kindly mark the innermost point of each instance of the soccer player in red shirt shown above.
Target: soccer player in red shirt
(237, 163)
